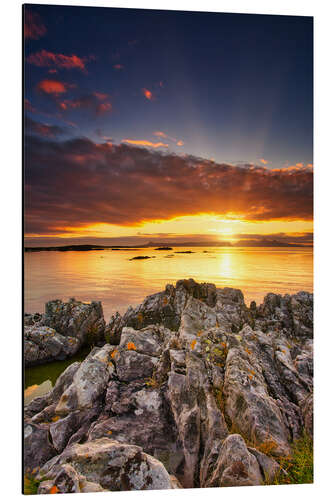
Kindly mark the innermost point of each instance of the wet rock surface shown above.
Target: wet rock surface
(192, 389)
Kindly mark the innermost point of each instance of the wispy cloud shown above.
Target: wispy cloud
(96, 101)
(178, 142)
(47, 59)
(146, 143)
(34, 27)
(263, 161)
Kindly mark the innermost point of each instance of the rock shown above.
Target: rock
(248, 404)
(89, 383)
(43, 344)
(268, 466)
(131, 365)
(292, 315)
(84, 322)
(37, 447)
(110, 465)
(62, 330)
(235, 465)
(195, 390)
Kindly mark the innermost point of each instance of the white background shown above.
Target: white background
(10, 231)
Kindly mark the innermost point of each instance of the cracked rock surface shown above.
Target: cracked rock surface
(191, 389)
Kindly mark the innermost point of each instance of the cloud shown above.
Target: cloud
(263, 161)
(42, 129)
(148, 94)
(33, 25)
(160, 134)
(96, 102)
(165, 136)
(146, 143)
(53, 87)
(76, 183)
(100, 96)
(47, 59)
(118, 66)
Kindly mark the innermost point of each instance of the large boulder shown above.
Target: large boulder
(43, 344)
(106, 464)
(76, 319)
(62, 330)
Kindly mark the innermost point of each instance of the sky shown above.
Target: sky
(145, 125)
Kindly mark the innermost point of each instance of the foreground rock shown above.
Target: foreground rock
(62, 330)
(193, 380)
(103, 465)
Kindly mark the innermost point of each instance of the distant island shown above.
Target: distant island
(164, 246)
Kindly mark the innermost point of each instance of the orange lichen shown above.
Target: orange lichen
(193, 344)
(200, 332)
(54, 489)
(131, 346)
(114, 353)
(55, 419)
(109, 432)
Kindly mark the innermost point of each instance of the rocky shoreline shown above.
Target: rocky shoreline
(190, 389)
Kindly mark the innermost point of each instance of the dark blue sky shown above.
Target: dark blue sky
(236, 88)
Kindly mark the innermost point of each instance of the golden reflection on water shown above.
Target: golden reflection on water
(110, 276)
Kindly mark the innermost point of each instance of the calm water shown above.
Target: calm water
(110, 276)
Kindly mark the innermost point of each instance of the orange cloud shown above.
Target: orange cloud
(299, 165)
(33, 25)
(165, 136)
(146, 143)
(90, 101)
(263, 161)
(160, 134)
(100, 96)
(52, 87)
(148, 94)
(47, 59)
(118, 66)
(104, 107)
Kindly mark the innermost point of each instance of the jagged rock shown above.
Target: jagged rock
(108, 464)
(191, 367)
(235, 465)
(248, 404)
(290, 314)
(43, 344)
(89, 382)
(268, 466)
(76, 319)
(37, 447)
(62, 330)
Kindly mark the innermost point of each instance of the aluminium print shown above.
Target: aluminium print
(168, 251)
